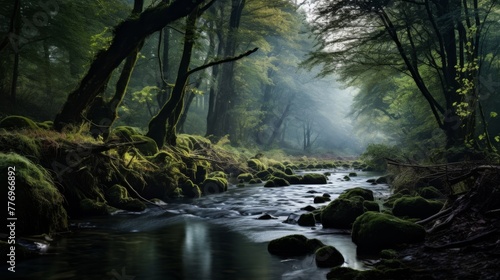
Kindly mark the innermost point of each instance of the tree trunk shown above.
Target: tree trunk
(225, 101)
(128, 36)
(162, 127)
(103, 114)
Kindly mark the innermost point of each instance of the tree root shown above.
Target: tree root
(435, 216)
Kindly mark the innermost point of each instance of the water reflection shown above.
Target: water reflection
(196, 251)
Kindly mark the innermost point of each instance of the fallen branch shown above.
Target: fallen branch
(435, 216)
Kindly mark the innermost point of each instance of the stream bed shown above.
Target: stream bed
(214, 237)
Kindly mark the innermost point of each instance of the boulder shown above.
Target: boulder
(38, 203)
(256, 164)
(371, 206)
(306, 220)
(289, 246)
(245, 177)
(364, 193)
(214, 185)
(328, 256)
(276, 182)
(321, 199)
(313, 178)
(341, 213)
(416, 207)
(191, 190)
(376, 231)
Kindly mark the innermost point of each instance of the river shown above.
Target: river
(214, 237)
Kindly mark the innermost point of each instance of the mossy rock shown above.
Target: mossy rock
(245, 177)
(347, 178)
(276, 182)
(89, 207)
(263, 175)
(20, 144)
(416, 207)
(256, 164)
(217, 174)
(313, 179)
(39, 204)
(255, 181)
(148, 148)
(314, 244)
(388, 254)
(430, 193)
(364, 193)
(306, 220)
(124, 133)
(376, 231)
(118, 197)
(341, 213)
(289, 246)
(353, 174)
(17, 122)
(371, 206)
(321, 199)
(289, 171)
(278, 165)
(328, 256)
(214, 185)
(191, 190)
(292, 179)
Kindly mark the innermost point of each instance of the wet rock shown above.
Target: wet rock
(214, 185)
(308, 208)
(383, 179)
(416, 207)
(321, 199)
(276, 182)
(371, 181)
(313, 178)
(347, 178)
(341, 213)
(289, 246)
(328, 256)
(267, 217)
(245, 177)
(189, 189)
(376, 231)
(314, 244)
(306, 220)
(256, 164)
(263, 175)
(364, 193)
(292, 219)
(312, 191)
(326, 195)
(118, 197)
(255, 181)
(353, 174)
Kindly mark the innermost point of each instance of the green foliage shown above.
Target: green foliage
(376, 154)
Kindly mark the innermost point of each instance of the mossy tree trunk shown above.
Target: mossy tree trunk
(162, 127)
(103, 114)
(128, 36)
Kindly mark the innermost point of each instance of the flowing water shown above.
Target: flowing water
(215, 237)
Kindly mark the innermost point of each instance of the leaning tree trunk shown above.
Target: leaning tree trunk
(103, 114)
(128, 36)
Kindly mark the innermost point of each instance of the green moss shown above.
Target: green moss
(214, 185)
(45, 125)
(263, 175)
(328, 256)
(245, 177)
(292, 179)
(255, 181)
(118, 197)
(89, 207)
(307, 220)
(341, 213)
(148, 148)
(289, 246)
(39, 204)
(371, 206)
(124, 133)
(17, 122)
(415, 207)
(364, 193)
(278, 165)
(20, 144)
(276, 182)
(313, 179)
(376, 231)
(289, 171)
(256, 164)
(217, 174)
